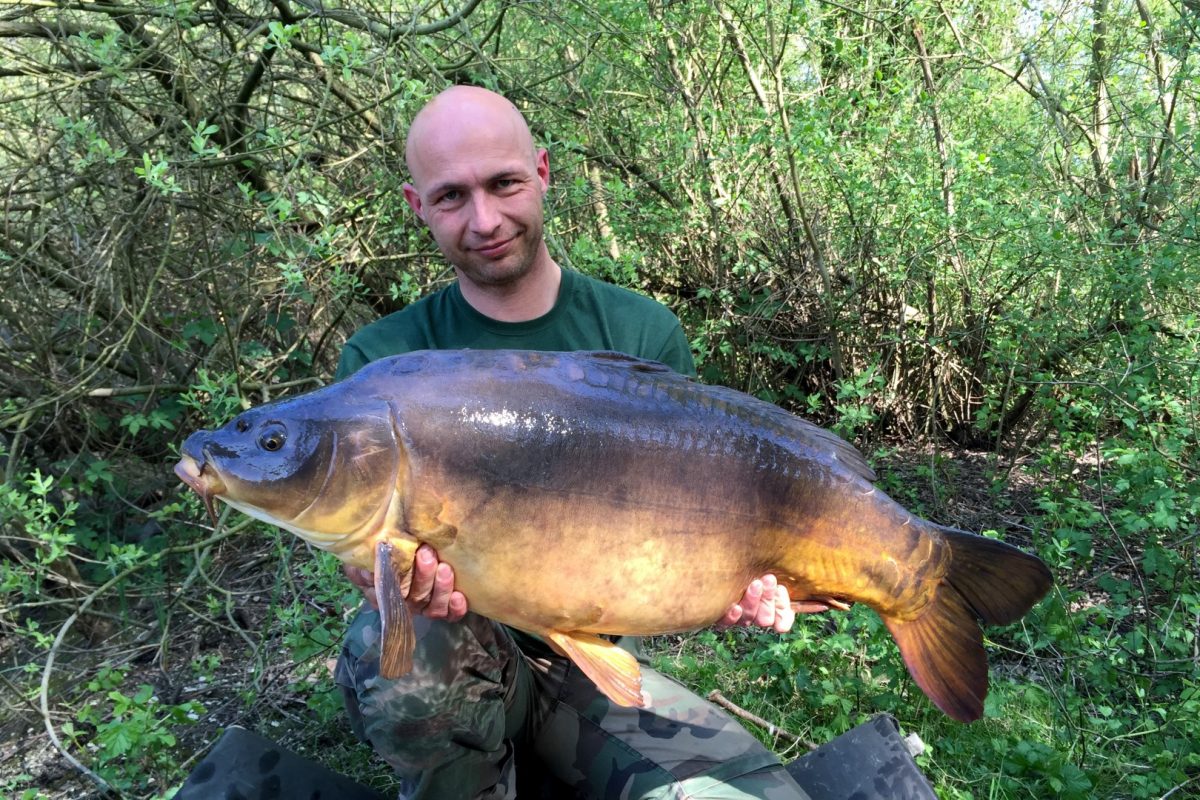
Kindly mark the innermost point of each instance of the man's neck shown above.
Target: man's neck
(532, 296)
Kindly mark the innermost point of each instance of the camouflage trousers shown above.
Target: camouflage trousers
(480, 696)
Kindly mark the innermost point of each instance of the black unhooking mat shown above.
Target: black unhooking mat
(869, 762)
(244, 766)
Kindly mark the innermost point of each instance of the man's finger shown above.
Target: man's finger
(764, 615)
(424, 573)
(358, 576)
(750, 602)
(439, 598)
(784, 615)
(457, 608)
(732, 617)
(364, 580)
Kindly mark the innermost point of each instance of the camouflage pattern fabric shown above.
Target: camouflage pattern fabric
(476, 697)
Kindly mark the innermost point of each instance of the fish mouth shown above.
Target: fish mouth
(202, 481)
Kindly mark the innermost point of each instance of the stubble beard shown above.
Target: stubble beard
(508, 270)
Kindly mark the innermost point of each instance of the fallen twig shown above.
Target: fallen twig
(771, 728)
(1180, 786)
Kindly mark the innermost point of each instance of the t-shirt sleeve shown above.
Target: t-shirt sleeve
(350, 361)
(397, 333)
(677, 354)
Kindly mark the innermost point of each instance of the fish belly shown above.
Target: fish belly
(624, 571)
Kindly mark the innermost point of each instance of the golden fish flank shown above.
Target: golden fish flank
(619, 473)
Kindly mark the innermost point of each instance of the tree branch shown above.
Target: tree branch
(390, 33)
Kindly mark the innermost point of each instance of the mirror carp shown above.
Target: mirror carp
(591, 493)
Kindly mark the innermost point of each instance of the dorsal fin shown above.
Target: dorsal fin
(845, 452)
(633, 362)
(818, 440)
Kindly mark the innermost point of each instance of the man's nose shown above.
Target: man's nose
(485, 214)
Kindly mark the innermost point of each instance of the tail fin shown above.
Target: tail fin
(987, 580)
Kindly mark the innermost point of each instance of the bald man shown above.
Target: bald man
(482, 696)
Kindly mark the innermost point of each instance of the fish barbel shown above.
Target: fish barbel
(582, 494)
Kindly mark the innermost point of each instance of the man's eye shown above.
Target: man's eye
(450, 196)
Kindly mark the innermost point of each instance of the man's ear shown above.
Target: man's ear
(542, 163)
(414, 200)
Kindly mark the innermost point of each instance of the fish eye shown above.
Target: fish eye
(272, 439)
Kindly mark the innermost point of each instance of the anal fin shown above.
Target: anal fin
(398, 638)
(614, 671)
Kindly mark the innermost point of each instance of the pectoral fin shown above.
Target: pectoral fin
(398, 639)
(614, 671)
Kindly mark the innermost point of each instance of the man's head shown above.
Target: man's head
(478, 183)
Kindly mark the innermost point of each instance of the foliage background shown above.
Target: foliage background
(969, 226)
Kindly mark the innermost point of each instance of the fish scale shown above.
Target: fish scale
(662, 498)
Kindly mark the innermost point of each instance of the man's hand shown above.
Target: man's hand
(767, 605)
(430, 592)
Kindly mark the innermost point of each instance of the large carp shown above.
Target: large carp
(580, 494)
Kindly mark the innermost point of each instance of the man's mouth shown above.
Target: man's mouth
(495, 249)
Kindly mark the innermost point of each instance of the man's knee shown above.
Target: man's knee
(452, 701)
(418, 733)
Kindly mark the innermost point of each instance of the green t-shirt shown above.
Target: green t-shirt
(588, 315)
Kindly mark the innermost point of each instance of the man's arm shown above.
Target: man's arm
(676, 353)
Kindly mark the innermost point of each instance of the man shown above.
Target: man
(478, 691)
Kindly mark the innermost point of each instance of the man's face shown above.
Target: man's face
(479, 188)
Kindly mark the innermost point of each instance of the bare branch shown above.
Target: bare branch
(390, 33)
